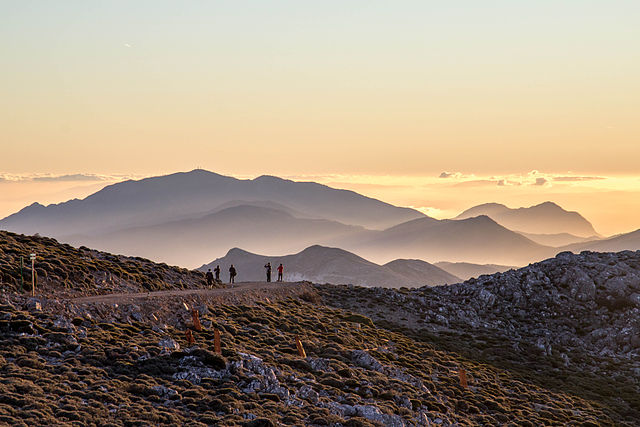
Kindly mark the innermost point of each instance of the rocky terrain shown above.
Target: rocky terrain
(570, 323)
(65, 269)
(74, 355)
(92, 369)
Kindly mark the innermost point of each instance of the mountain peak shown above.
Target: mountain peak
(162, 199)
(545, 218)
(548, 205)
(238, 252)
(270, 178)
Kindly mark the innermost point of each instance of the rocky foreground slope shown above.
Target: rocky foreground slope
(570, 323)
(57, 370)
(64, 269)
(69, 359)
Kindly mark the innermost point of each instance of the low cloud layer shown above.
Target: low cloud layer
(533, 178)
(78, 177)
(577, 178)
(74, 177)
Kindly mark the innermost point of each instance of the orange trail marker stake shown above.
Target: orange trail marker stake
(190, 339)
(216, 341)
(301, 351)
(463, 377)
(196, 320)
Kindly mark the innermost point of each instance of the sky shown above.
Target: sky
(377, 96)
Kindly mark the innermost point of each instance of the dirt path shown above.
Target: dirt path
(238, 288)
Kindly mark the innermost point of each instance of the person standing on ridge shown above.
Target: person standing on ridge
(217, 271)
(232, 274)
(280, 270)
(268, 267)
(209, 277)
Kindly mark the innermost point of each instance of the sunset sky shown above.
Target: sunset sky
(516, 102)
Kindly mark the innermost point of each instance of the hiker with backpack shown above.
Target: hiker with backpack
(232, 274)
(217, 271)
(209, 277)
(268, 268)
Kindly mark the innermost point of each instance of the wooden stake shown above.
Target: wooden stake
(216, 341)
(190, 340)
(196, 320)
(33, 274)
(463, 377)
(301, 351)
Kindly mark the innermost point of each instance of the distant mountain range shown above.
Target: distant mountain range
(185, 195)
(192, 242)
(189, 218)
(478, 240)
(466, 270)
(321, 264)
(557, 240)
(545, 218)
(261, 229)
(622, 242)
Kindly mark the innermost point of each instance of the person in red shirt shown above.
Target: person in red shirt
(280, 270)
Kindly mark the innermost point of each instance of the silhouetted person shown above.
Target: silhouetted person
(232, 274)
(280, 270)
(217, 271)
(268, 267)
(209, 277)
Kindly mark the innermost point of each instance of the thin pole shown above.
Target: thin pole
(33, 276)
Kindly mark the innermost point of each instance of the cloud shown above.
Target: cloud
(577, 178)
(344, 184)
(78, 177)
(450, 175)
(476, 183)
(73, 177)
(541, 181)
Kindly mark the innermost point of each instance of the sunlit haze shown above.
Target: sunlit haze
(378, 97)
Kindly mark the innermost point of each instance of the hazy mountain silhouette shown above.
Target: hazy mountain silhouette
(478, 240)
(183, 195)
(621, 242)
(545, 218)
(191, 242)
(189, 218)
(321, 264)
(466, 270)
(418, 270)
(557, 240)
